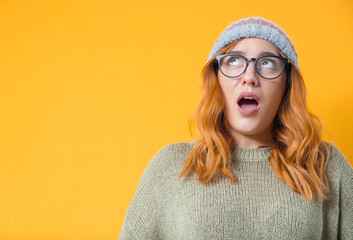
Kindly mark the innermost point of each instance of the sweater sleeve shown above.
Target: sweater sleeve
(345, 224)
(142, 215)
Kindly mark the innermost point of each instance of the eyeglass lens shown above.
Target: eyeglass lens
(267, 67)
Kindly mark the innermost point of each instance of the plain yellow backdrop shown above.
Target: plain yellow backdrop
(91, 90)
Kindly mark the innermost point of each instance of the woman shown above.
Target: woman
(255, 130)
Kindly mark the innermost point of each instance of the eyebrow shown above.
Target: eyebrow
(261, 54)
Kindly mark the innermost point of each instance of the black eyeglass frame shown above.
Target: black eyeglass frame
(247, 60)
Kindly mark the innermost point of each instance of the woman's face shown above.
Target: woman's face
(251, 123)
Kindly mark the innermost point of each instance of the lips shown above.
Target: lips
(248, 103)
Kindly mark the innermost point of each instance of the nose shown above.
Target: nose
(250, 77)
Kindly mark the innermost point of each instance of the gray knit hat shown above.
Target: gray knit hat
(259, 28)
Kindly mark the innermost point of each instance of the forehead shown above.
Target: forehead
(254, 46)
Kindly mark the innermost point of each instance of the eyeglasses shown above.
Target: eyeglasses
(234, 65)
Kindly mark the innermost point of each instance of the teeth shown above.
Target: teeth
(248, 98)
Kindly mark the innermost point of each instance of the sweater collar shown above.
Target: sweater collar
(250, 154)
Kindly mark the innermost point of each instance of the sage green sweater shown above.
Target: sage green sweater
(257, 206)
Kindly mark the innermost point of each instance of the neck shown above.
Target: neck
(259, 140)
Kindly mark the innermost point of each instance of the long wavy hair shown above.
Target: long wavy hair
(299, 156)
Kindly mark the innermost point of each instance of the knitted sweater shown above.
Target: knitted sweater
(257, 206)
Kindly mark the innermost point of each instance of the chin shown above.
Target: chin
(248, 128)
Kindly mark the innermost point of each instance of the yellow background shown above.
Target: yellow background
(91, 90)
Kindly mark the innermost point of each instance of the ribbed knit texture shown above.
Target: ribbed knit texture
(256, 27)
(257, 206)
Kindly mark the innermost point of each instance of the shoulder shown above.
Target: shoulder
(176, 148)
(339, 205)
(336, 156)
(174, 152)
(338, 163)
(335, 152)
(169, 159)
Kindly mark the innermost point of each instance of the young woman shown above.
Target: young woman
(259, 168)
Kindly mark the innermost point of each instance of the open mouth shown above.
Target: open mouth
(248, 103)
(248, 106)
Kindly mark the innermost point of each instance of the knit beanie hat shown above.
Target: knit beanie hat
(256, 27)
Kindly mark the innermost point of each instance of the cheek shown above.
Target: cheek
(275, 97)
(227, 88)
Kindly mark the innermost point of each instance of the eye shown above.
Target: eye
(234, 61)
(267, 63)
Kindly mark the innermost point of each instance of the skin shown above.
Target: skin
(252, 131)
